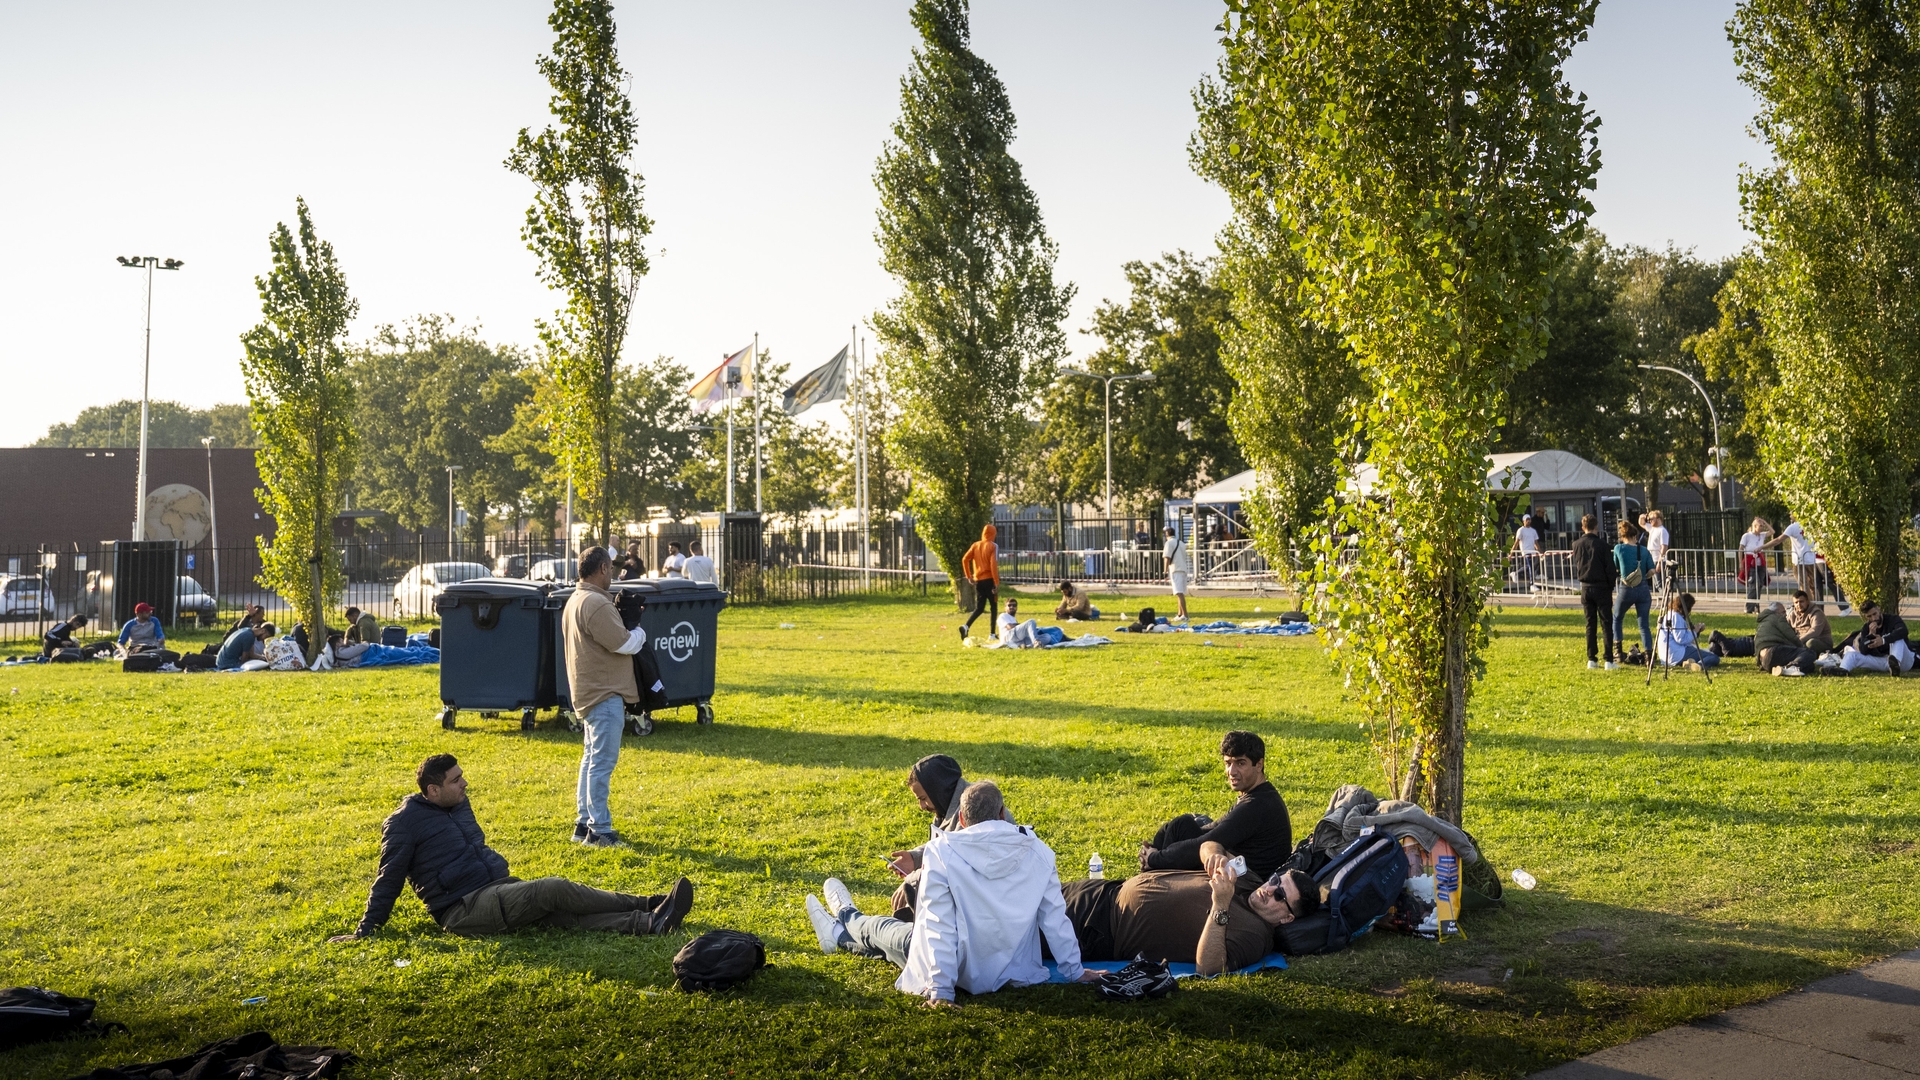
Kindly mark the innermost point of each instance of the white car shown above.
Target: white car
(561, 570)
(414, 595)
(22, 595)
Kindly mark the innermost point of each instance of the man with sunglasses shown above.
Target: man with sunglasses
(1201, 917)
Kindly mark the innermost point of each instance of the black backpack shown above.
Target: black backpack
(394, 636)
(254, 1055)
(1360, 885)
(1138, 981)
(142, 661)
(29, 1014)
(717, 960)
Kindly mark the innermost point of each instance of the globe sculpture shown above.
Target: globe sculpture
(178, 512)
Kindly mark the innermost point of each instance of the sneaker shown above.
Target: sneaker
(581, 832)
(1611, 666)
(604, 840)
(839, 900)
(1593, 665)
(1789, 672)
(963, 633)
(1692, 665)
(826, 929)
(668, 913)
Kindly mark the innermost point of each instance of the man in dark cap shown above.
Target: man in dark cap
(935, 780)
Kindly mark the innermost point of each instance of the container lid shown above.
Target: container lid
(493, 588)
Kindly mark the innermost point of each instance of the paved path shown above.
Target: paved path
(1864, 1025)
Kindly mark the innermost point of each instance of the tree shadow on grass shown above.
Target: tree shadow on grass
(1781, 751)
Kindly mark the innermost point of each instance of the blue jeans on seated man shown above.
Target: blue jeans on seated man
(881, 937)
(602, 725)
(1696, 654)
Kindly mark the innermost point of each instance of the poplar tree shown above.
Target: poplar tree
(975, 332)
(297, 382)
(587, 227)
(1832, 280)
(1427, 163)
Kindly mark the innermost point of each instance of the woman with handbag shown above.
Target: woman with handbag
(1753, 561)
(1636, 569)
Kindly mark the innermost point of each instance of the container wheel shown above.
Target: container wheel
(703, 713)
(640, 724)
(526, 719)
(573, 722)
(446, 719)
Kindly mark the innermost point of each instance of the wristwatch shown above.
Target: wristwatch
(1220, 917)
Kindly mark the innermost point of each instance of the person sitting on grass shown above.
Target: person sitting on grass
(1772, 643)
(1256, 826)
(434, 843)
(1809, 624)
(1017, 634)
(59, 636)
(244, 646)
(143, 632)
(1176, 916)
(1879, 645)
(1679, 637)
(936, 782)
(1074, 604)
(362, 627)
(990, 893)
(252, 617)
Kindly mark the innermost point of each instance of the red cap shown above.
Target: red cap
(143, 608)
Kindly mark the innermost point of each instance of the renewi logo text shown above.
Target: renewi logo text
(678, 642)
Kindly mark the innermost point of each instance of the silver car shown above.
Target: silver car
(560, 570)
(414, 595)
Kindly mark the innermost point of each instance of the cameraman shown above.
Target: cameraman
(600, 652)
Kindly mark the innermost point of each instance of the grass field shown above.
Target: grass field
(172, 845)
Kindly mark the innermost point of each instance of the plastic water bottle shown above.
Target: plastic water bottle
(1096, 869)
(1524, 879)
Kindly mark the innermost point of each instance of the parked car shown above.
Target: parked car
(413, 596)
(517, 565)
(561, 570)
(23, 595)
(192, 602)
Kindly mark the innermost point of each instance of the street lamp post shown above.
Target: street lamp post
(149, 263)
(1147, 376)
(451, 469)
(1719, 461)
(213, 522)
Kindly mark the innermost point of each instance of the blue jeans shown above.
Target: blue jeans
(1639, 597)
(878, 936)
(1698, 655)
(603, 724)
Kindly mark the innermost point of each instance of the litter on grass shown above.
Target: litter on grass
(1524, 880)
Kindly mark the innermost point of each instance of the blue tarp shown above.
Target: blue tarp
(1272, 962)
(391, 656)
(1225, 627)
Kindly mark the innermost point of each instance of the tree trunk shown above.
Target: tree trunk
(1450, 749)
(962, 593)
(313, 616)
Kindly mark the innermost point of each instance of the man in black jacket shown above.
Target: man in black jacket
(434, 843)
(1880, 644)
(1593, 569)
(1256, 826)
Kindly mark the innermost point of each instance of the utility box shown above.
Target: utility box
(142, 572)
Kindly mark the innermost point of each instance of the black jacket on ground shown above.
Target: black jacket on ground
(1256, 827)
(1892, 628)
(442, 853)
(1593, 560)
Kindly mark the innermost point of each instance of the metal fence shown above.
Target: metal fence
(1707, 573)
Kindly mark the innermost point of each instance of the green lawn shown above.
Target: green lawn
(172, 845)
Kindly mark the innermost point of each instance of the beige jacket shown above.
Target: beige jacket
(1812, 628)
(599, 649)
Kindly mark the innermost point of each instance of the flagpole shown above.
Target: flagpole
(754, 371)
(860, 442)
(726, 397)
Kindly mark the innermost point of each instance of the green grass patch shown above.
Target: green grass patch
(173, 845)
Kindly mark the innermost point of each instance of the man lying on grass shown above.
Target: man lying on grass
(434, 843)
(1256, 825)
(1203, 918)
(988, 893)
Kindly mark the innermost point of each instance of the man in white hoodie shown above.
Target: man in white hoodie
(987, 894)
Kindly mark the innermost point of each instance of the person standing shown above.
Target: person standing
(1806, 569)
(1526, 545)
(1593, 569)
(632, 567)
(1634, 564)
(698, 567)
(675, 564)
(1658, 541)
(1753, 561)
(1179, 566)
(600, 652)
(981, 566)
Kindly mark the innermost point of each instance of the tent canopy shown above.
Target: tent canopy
(1538, 472)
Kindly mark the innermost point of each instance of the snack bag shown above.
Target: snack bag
(1446, 889)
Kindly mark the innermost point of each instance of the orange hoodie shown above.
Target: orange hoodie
(982, 560)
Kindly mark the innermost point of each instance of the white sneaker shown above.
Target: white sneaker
(1789, 672)
(1593, 665)
(839, 900)
(826, 928)
(1611, 666)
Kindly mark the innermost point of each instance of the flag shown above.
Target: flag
(712, 389)
(828, 382)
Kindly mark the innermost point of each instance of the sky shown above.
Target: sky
(187, 130)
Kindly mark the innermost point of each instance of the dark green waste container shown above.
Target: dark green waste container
(682, 624)
(497, 641)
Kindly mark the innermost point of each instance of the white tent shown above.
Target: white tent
(1229, 492)
(1537, 472)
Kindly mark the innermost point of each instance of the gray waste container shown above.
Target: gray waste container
(496, 647)
(681, 620)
